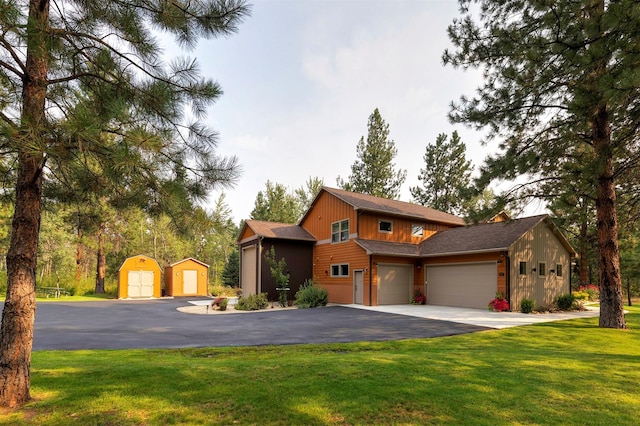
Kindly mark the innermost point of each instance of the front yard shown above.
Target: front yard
(567, 372)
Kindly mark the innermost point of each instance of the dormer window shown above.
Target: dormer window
(385, 226)
(340, 231)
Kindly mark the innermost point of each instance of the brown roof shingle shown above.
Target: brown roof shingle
(276, 230)
(393, 207)
(386, 248)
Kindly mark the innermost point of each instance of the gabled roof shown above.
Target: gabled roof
(386, 248)
(385, 206)
(485, 237)
(187, 259)
(276, 230)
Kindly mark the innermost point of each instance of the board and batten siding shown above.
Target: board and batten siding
(340, 288)
(536, 246)
(327, 210)
(400, 231)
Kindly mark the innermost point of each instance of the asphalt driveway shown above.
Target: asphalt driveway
(128, 324)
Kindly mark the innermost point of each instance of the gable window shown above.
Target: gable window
(340, 231)
(340, 270)
(417, 231)
(542, 269)
(558, 270)
(523, 268)
(385, 226)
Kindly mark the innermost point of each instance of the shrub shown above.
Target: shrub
(223, 304)
(499, 304)
(565, 302)
(581, 295)
(223, 290)
(592, 290)
(252, 302)
(526, 306)
(418, 297)
(311, 296)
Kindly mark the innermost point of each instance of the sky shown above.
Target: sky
(301, 78)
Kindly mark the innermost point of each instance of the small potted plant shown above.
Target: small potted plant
(418, 298)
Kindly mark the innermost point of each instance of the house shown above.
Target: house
(188, 277)
(139, 277)
(374, 251)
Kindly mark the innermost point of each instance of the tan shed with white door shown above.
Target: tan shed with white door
(139, 277)
(188, 277)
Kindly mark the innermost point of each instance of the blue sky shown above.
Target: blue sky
(301, 78)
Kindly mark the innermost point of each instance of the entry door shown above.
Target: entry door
(358, 287)
(190, 280)
(140, 283)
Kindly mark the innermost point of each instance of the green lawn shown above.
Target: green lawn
(568, 372)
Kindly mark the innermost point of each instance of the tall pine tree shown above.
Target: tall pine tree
(373, 172)
(559, 77)
(72, 73)
(446, 177)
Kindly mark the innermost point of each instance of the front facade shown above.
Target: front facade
(373, 251)
(188, 277)
(139, 278)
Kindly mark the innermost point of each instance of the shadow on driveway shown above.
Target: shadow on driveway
(125, 324)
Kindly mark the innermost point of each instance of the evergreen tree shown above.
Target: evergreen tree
(72, 74)
(446, 177)
(306, 194)
(231, 271)
(373, 172)
(276, 204)
(561, 79)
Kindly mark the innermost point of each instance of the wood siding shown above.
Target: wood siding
(174, 278)
(536, 246)
(139, 263)
(327, 210)
(340, 289)
(298, 257)
(401, 229)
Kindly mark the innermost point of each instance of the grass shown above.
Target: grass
(568, 372)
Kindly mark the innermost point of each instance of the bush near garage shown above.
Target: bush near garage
(311, 296)
(252, 302)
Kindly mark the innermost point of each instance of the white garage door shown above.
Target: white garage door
(394, 284)
(249, 266)
(469, 285)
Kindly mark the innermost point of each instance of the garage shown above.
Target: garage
(469, 285)
(394, 284)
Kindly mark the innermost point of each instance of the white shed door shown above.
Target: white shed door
(394, 284)
(140, 283)
(469, 285)
(190, 279)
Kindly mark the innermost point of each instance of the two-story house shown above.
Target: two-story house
(374, 251)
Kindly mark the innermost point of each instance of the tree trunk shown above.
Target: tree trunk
(101, 267)
(611, 301)
(18, 315)
(584, 255)
(79, 257)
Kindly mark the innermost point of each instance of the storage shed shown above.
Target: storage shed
(188, 277)
(139, 277)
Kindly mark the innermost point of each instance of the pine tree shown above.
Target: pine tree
(560, 77)
(373, 172)
(276, 204)
(446, 178)
(72, 74)
(231, 271)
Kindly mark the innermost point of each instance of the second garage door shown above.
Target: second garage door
(470, 285)
(394, 284)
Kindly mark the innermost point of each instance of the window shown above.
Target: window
(417, 231)
(340, 231)
(385, 226)
(558, 270)
(340, 270)
(542, 269)
(523, 268)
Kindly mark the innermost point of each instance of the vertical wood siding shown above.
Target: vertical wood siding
(327, 210)
(340, 288)
(401, 229)
(538, 245)
(174, 278)
(298, 257)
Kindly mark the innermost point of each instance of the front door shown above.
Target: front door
(190, 278)
(358, 287)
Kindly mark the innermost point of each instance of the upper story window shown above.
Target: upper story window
(523, 268)
(340, 231)
(417, 231)
(385, 226)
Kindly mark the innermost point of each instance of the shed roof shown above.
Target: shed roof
(277, 230)
(369, 203)
(486, 237)
(187, 259)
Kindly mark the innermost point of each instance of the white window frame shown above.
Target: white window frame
(385, 231)
(342, 234)
(340, 267)
(417, 231)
